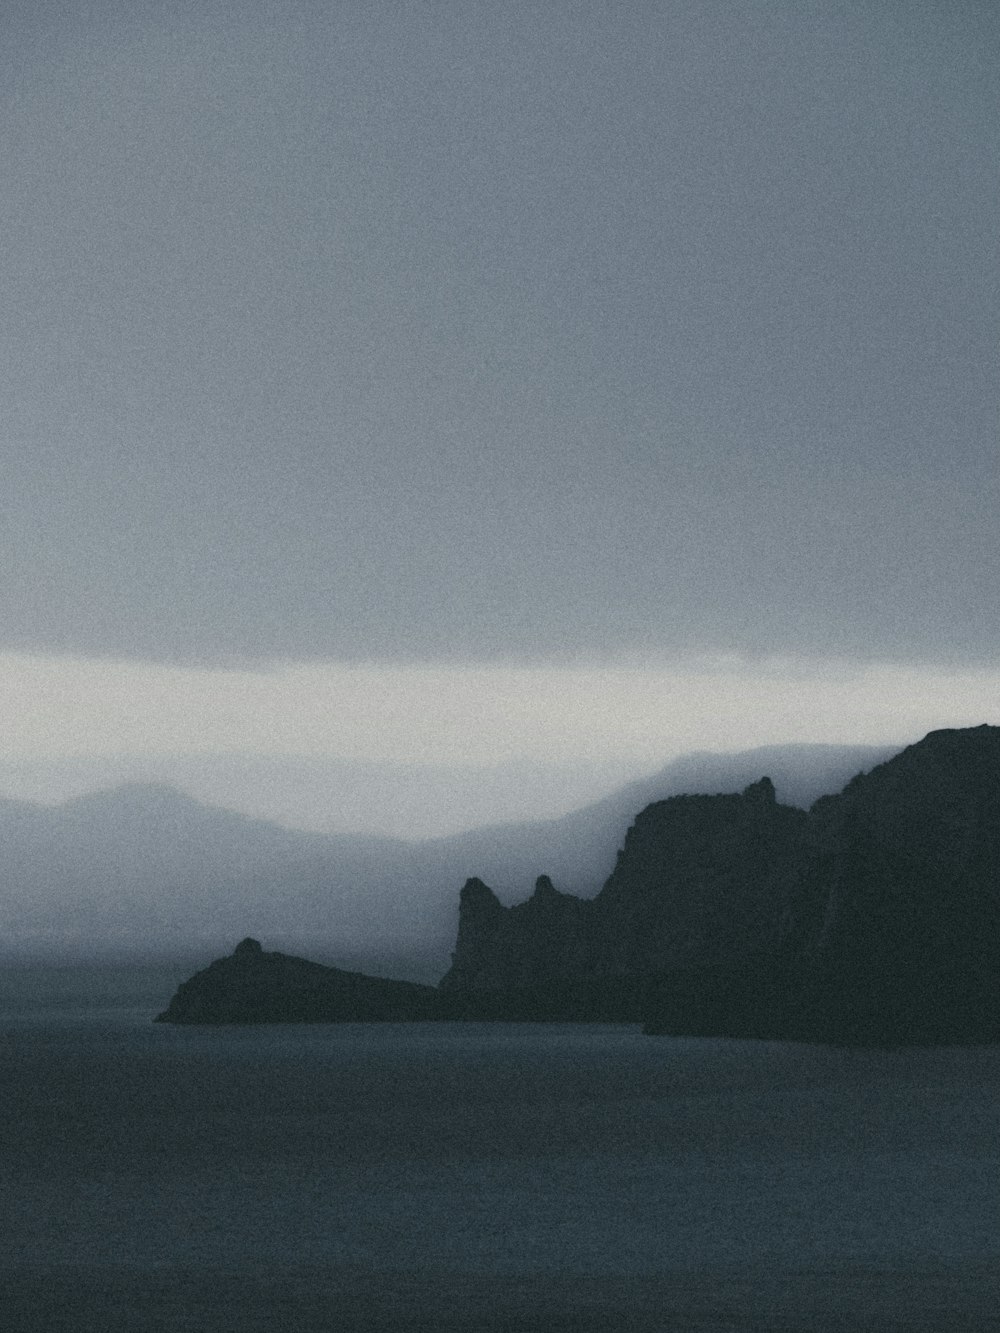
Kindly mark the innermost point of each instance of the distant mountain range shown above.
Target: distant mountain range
(145, 869)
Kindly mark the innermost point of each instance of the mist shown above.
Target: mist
(146, 871)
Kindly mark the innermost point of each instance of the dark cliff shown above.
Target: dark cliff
(703, 878)
(545, 939)
(909, 854)
(700, 879)
(875, 917)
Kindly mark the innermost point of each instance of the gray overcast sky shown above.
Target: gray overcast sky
(415, 414)
(476, 331)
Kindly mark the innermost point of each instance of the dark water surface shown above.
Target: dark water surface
(480, 1177)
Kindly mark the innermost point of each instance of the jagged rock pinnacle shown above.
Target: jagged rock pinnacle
(476, 895)
(762, 792)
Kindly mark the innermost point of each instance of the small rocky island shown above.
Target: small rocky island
(871, 919)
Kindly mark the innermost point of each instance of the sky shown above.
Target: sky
(417, 414)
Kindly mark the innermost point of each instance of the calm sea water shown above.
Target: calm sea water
(478, 1177)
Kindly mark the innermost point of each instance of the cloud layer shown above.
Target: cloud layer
(425, 750)
(504, 334)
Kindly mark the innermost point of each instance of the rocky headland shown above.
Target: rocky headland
(256, 986)
(873, 918)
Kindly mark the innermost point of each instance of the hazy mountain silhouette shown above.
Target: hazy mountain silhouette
(146, 868)
(870, 919)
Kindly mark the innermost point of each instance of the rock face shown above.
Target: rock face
(544, 939)
(700, 878)
(873, 918)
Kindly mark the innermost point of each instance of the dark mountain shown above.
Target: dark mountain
(700, 880)
(875, 917)
(146, 869)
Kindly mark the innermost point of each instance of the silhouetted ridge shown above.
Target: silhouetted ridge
(873, 918)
